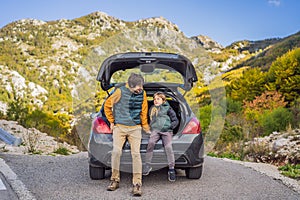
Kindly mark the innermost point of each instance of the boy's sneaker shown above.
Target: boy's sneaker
(113, 186)
(171, 175)
(146, 170)
(137, 190)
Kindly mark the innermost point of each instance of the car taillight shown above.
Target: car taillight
(193, 127)
(100, 127)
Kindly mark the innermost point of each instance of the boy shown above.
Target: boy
(162, 122)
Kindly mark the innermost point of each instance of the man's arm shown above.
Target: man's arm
(109, 103)
(144, 114)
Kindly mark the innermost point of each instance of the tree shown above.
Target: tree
(263, 112)
(277, 120)
(248, 86)
(284, 75)
(269, 100)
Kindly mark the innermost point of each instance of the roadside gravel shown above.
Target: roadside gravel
(271, 171)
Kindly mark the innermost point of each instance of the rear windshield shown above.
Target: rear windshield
(157, 76)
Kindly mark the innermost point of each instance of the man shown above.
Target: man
(126, 110)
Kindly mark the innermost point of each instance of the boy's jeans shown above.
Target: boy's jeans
(167, 141)
(134, 136)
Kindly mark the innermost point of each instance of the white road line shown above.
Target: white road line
(2, 186)
(17, 185)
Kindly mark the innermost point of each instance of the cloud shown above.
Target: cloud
(274, 2)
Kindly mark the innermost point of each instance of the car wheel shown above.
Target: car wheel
(193, 172)
(97, 173)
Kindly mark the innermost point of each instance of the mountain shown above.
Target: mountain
(208, 43)
(53, 64)
(271, 50)
(253, 46)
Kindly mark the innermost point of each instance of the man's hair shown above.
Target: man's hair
(135, 79)
(161, 95)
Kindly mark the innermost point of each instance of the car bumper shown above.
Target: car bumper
(188, 152)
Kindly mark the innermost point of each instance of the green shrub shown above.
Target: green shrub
(62, 151)
(276, 120)
(292, 171)
(205, 117)
(228, 155)
(230, 138)
(231, 133)
(53, 124)
(295, 110)
(233, 106)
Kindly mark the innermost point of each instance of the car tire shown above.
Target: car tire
(193, 172)
(97, 173)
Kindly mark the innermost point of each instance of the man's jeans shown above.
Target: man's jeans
(134, 136)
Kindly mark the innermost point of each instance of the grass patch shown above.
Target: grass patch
(292, 171)
(39, 152)
(62, 151)
(224, 155)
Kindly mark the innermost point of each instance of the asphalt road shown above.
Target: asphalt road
(67, 177)
(6, 192)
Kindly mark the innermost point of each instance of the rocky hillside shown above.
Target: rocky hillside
(47, 62)
(52, 63)
(33, 141)
(269, 50)
(279, 148)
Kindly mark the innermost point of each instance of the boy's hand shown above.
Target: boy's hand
(148, 132)
(112, 126)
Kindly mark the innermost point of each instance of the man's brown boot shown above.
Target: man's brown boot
(137, 190)
(113, 186)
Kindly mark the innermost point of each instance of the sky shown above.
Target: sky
(224, 21)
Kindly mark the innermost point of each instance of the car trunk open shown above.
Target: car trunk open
(146, 63)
